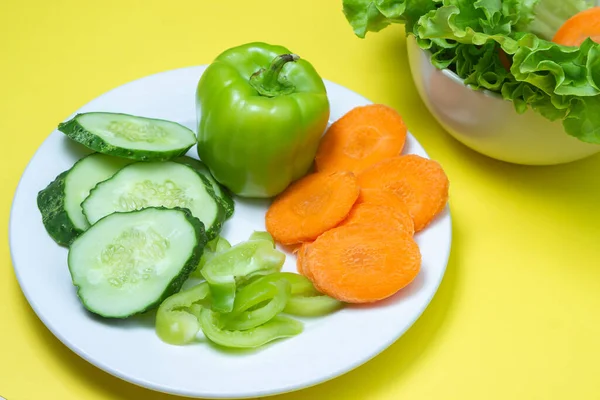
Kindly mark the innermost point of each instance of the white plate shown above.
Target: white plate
(329, 346)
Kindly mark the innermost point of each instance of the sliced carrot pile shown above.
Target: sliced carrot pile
(421, 183)
(387, 198)
(360, 263)
(362, 137)
(583, 25)
(351, 224)
(311, 206)
(380, 216)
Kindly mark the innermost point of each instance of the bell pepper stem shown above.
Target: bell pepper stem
(269, 82)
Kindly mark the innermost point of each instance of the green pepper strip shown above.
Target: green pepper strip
(261, 235)
(215, 246)
(275, 293)
(306, 301)
(176, 318)
(242, 261)
(278, 327)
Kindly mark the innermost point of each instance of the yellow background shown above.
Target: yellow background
(517, 315)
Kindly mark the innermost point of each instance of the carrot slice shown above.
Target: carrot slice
(421, 183)
(380, 216)
(583, 25)
(360, 263)
(300, 259)
(311, 206)
(362, 137)
(387, 198)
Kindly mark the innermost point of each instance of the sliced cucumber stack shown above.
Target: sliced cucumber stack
(129, 136)
(136, 214)
(129, 262)
(149, 184)
(60, 202)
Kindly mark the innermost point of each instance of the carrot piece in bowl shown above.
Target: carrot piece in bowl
(362, 137)
(583, 25)
(421, 183)
(311, 206)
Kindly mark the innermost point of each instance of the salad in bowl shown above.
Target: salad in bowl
(535, 65)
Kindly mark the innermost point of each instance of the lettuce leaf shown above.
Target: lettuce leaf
(467, 36)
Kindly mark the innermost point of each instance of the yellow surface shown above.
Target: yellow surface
(517, 314)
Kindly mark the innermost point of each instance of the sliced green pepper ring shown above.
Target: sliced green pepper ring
(275, 293)
(305, 301)
(262, 235)
(215, 246)
(242, 261)
(278, 327)
(175, 323)
(312, 306)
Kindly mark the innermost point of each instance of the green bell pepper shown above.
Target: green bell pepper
(242, 261)
(276, 328)
(276, 295)
(261, 112)
(177, 317)
(305, 300)
(214, 247)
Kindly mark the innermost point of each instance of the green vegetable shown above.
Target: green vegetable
(278, 327)
(60, 202)
(223, 195)
(276, 295)
(262, 235)
(261, 113)
(215, 246)
(175, 322)
(466, 36)
(167, 184)
(305, 300)
(240, 262)
(129, 262)
(129, 136)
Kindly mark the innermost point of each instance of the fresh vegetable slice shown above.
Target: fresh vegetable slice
(277, 328)
(129, 136)
(175, 322)
(129, 262)
(578, 28)
(60, 202)
(244, 316)
(167, 184)
(222, 193)
(311, 206)
(380, 216)
(240, 262)
(421, 183)
(380, 197)
(305, 299)
(262, 235)
(360, 138)
(362, 263)
(213, 247)
(312, 306)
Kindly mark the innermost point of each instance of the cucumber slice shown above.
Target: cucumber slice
(129, 136)
(152, 184)
(224, 196)
(60, 202)
(128, 263)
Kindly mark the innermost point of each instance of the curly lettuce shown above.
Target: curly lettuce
(468, 37)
